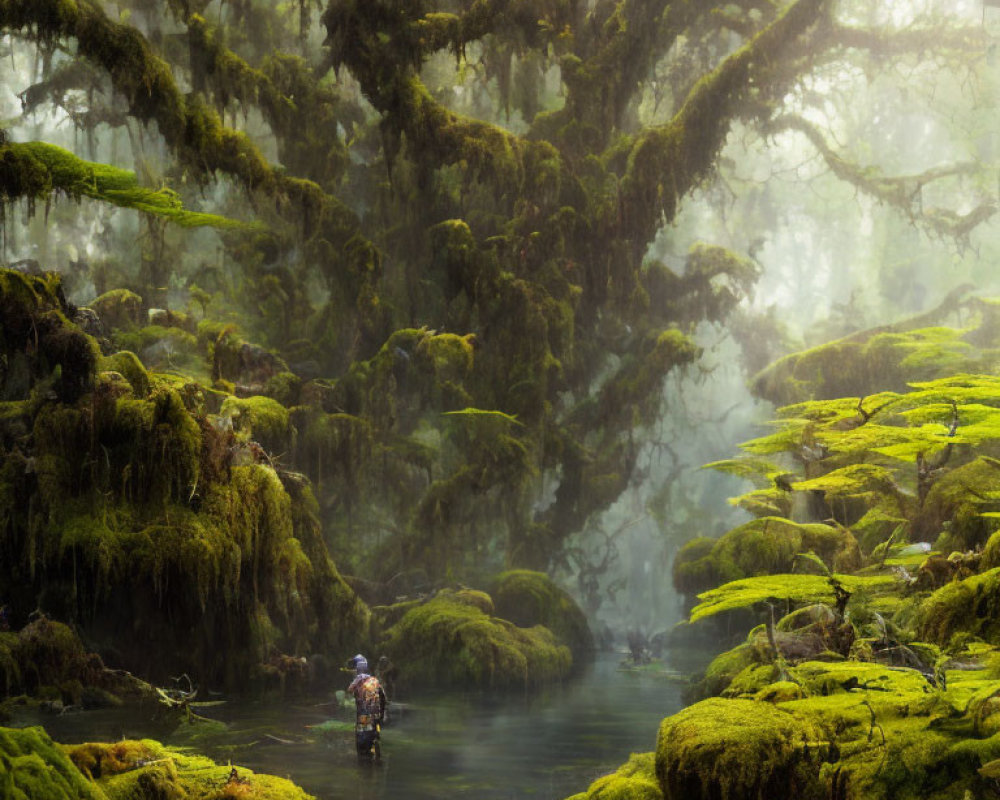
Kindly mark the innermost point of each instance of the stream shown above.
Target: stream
(545, 745)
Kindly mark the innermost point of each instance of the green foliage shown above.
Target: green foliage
(797, 589)
(866, 363)
(763, 546)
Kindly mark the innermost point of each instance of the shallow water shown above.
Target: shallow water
(547, 745)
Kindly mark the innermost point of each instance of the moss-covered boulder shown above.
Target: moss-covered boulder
(119, 309)
(128, 365)
(146, 770)
(46, 660)
(868, 362)
(450, 640)
(33, 767)
(724, 668)
(634, 780)
(740, 750)
(954, 505)
(263, 419)
(765, 546)
(970, 606)
(693, 570)
(529, 598)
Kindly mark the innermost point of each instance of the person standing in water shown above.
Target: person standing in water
(369, 699)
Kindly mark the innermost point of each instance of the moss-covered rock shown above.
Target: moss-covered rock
(694, 570)
(866, 363)
(530, 598)
(119, 309)
(737, 750)
(146, 770)
(131, 368)
(33, 767)
(634, 780)
(970, 606)
(450, 640)
(956, 502)
(264, 420)
(765, 546)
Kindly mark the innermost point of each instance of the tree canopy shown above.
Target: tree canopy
(442, 221)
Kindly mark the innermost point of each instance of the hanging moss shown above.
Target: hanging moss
(36, 170)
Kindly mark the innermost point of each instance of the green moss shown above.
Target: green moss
(32, 766)
(128, 365)
(450, 641)
(164, 348)
(967, 606)
(119, 309)
(735, 749)
(799, 589)
(866, 363)
(45, 169)
(727, 665)
(264, 420)
(694, 570)
(530, 598)
(958, 500)
(146, 770)
(634, 780)
(770, 545)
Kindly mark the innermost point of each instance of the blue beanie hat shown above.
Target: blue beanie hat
(360, 663)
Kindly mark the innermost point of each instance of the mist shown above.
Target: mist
(327, 325)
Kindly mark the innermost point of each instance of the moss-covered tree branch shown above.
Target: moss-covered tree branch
(37, 171)
(203, 144)
(903, 192)
(666, 162)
